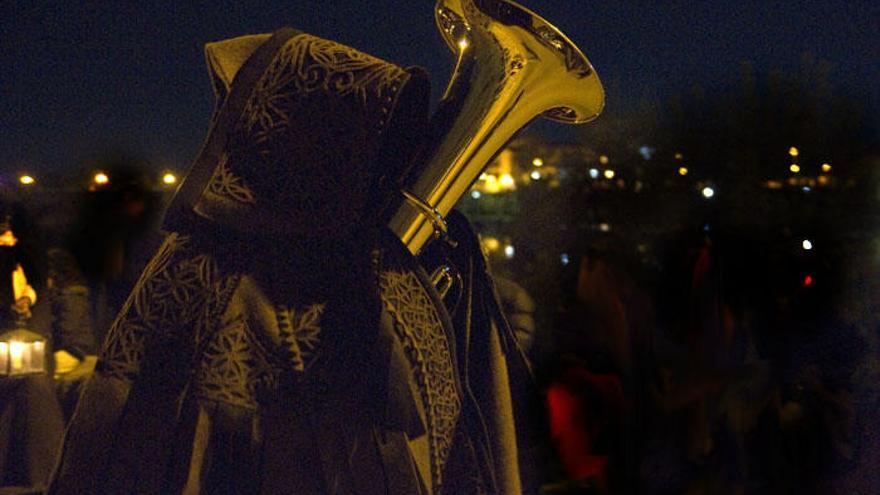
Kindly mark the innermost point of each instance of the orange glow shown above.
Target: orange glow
(8, 239)
(26, 180)
(101, 178)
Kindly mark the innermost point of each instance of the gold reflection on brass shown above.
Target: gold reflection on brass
(516, 67)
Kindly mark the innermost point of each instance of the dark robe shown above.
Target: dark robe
(282, 340)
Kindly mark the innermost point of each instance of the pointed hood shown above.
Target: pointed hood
(305, 134)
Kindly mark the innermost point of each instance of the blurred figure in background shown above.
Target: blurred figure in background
(111, 240)
(519, 309)
(594, 394)
(31, 422)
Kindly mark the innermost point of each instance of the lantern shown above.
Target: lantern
(22, 352)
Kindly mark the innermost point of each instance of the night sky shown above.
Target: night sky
(80, 79)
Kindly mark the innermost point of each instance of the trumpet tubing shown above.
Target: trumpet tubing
(513, 66)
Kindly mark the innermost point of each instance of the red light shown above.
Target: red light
(808, 280)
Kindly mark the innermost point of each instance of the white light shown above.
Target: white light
(509, 251)
(564, 259)
(26, 180)
(463, 43)
(708, 192)
(604, 227)
(594, 173)
(16, 355)
(101, 178)
(169, 178)
(475, 194)
(535, 175)
(806, 189)
(807, 245)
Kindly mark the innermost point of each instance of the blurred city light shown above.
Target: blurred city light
(101, 178)
(169, 178)
(647, 152)
(603, 159)
(491, 243)
(807, 245)
(594, 173)
(509, 251)
(793, 151)
(475, 194)
(463, 43)
(708, 192)
(826, 167)
(682, 171)
(537, 162)
(609, 174)
(564, 259)
(808, 280)
(806, 189)
(604, 227)
(26, 180)
(506, 181)
(535, 175)
(795, 168)
(679, 156)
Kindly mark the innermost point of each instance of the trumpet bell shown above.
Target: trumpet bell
(523, 37)
(513, 66)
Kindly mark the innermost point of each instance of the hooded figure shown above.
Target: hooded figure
(282, 340)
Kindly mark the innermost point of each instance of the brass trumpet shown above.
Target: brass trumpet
(512, 67)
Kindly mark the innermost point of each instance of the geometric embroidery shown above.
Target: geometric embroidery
(425, 343)
(300, 333)
(180, 293)
(234, 366)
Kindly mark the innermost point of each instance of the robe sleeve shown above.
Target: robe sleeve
(142, 369)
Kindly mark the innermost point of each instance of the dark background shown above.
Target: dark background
(81, 78)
